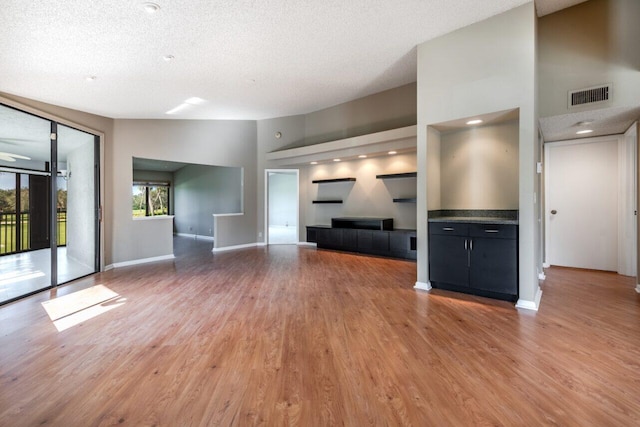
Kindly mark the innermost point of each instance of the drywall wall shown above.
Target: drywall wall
(283, 199)
(81, 202)
(479, 167)
(485, 67)
(367, 196)
(390, 109)
(590, 44)
(212, 142)
(201, 191)
(103, 126)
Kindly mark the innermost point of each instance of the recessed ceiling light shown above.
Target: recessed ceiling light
(10, 157)
(336, 160)
(391, 153)
(362, 156)
(91, 78)
(168, 58)
(150, 7)
(584, 131)
(584, 123)
(474, 122)
(314, 163)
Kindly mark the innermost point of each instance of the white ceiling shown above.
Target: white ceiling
(247, 59)
(607, 121)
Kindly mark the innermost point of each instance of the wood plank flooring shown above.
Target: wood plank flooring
(294, 336)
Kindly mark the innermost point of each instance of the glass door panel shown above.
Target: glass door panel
(25, 152)
(76, 204)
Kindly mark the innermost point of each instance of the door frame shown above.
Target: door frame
(266, 201)
(99, 138)
(621, 141)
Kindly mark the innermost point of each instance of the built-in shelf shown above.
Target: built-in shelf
(398, 175)
(327, 181)
(326, 201)
(405, 200)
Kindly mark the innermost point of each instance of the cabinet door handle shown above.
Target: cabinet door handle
(465, 244)
(491, 231)
(447, 229)
(470, 244)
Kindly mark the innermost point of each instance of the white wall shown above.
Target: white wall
(367, 196)
(479, 167)
(81, 204)
(485, 67)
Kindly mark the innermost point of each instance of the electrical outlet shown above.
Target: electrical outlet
(210, 231)
(260, 234)
(190, 228)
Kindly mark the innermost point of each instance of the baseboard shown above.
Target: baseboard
(233, 248)
(108, 267)
(531, 305)
(313, 245)
(542, 276)
(140, 261)
(196, 236)
(546, 265)
(261, 244)
(422, 286)
(638, 289)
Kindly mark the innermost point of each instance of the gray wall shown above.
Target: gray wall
(214, 142)
(589, 44)
(81, 204)
(493, 69)
(367, 196)
(283, 199)
(479, 168)
(201, 191)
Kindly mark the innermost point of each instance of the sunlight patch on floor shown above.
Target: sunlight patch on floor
(70, 310)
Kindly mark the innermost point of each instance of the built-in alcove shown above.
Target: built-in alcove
(475, 166)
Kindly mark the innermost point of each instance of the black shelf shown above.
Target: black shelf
(327, 181)
(405, 200)
(398, 175)
(326, 201)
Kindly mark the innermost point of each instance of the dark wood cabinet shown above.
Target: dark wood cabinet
(475, 258)
(388, 243)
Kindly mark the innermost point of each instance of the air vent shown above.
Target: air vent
(589, 95)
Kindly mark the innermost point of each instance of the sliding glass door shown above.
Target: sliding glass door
(37, 200)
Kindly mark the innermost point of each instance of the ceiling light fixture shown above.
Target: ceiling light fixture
(391, 153)
(474, 122)
(584, 131)
(91, 78)
(150, 7)
(336, 160)
(362, 156)
(314, 163)
(168, 58)
(194, 101)
(584, 122)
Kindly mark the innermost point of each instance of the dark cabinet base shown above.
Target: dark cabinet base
(474, 291)
(386, 243)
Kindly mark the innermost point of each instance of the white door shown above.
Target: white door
(282, 206)
(582, 203)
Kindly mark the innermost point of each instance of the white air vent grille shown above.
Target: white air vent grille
(589, 95)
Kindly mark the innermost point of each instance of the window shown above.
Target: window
(150, 199)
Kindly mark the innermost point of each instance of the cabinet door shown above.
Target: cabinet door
(448, 259)
(494, 265)
(365, 240)
(323, 237)
(349, 239)
(380, 241)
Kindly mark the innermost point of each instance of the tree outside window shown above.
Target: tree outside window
(150, 199)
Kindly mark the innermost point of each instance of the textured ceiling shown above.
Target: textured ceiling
(247, 59)
(546, 7)
(608, 121)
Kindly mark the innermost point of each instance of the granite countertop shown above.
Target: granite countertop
(475, 216)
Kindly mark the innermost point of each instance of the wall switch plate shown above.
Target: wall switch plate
(539, 167)
(260, 234)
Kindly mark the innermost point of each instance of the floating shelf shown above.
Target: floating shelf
(398, 175)
(325, 201)
(405, 200)
(327, 181)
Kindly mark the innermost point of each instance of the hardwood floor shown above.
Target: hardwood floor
(294, 336)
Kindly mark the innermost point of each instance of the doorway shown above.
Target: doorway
(281, 206)
(590, 204)
(49, 218)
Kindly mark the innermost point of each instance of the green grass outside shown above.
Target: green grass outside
(8, 234)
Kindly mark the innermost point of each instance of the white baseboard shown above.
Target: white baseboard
(233, 248)
(531, 305)
(195, 236)
(108, 267)
(261, 244)
(313, 245)
(139, 261)
(422, 286)
(638, 289)
(546, 265)
(542, 276)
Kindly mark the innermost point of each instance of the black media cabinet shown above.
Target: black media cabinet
(373, 236)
